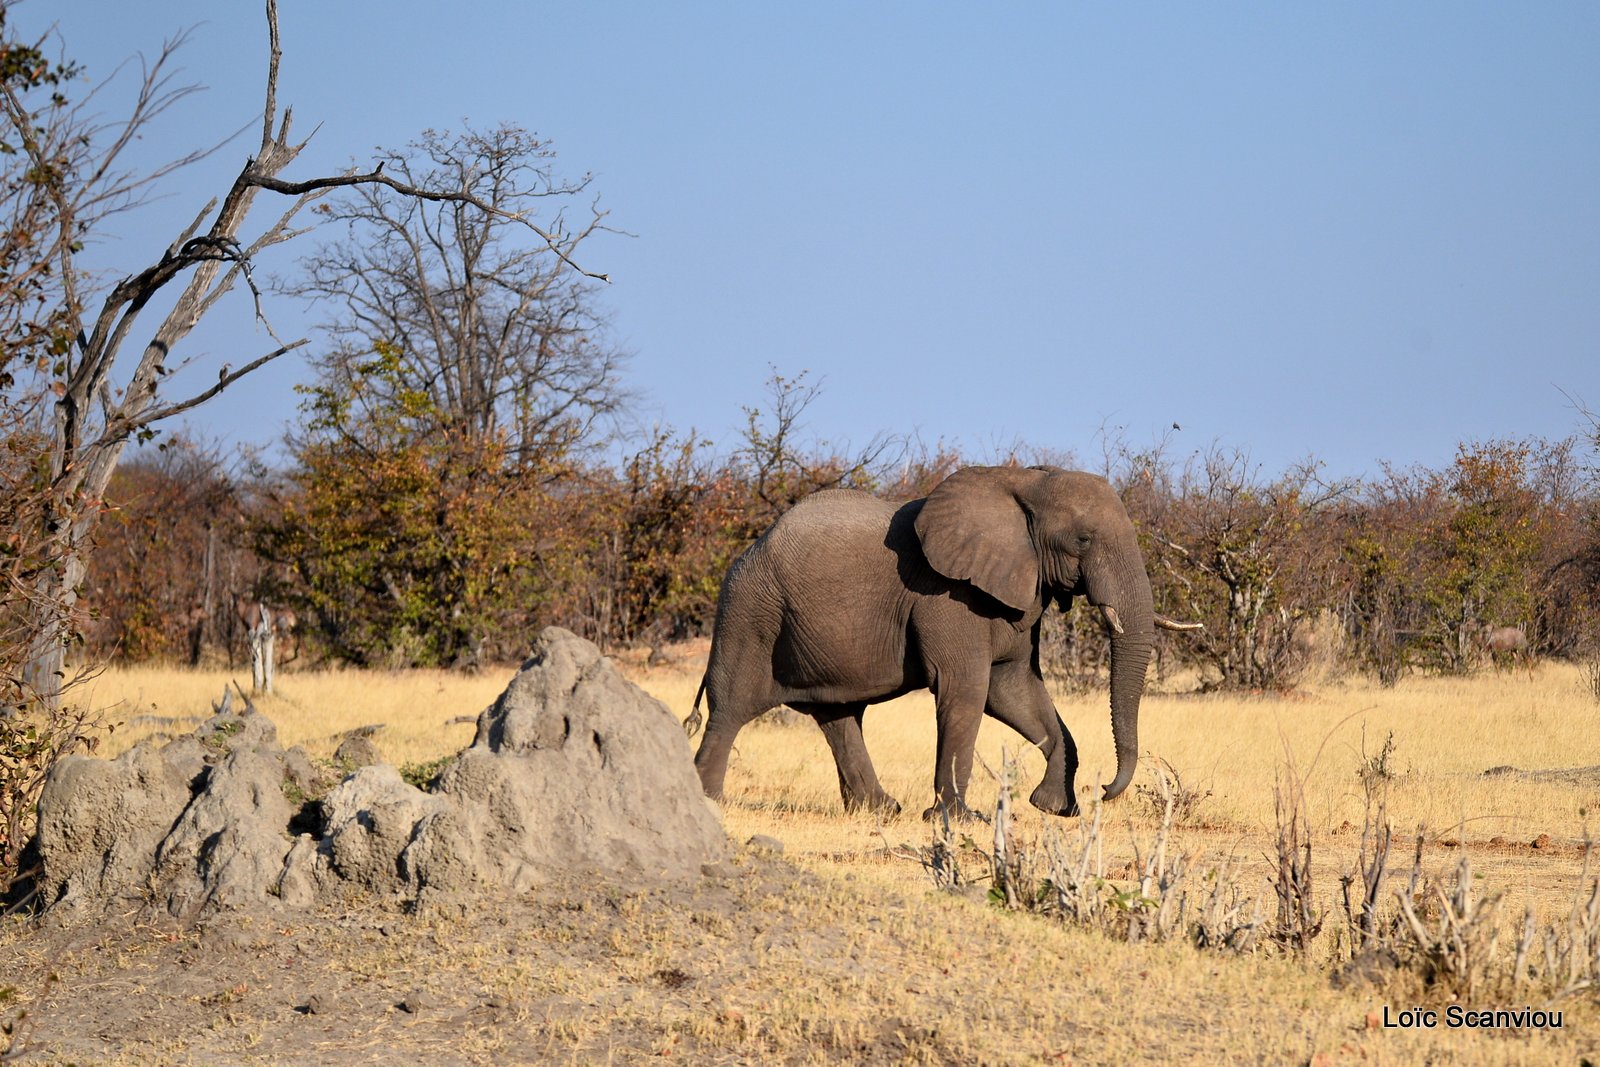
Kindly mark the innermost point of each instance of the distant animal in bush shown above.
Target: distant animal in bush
(1506, 644)
(849, 600)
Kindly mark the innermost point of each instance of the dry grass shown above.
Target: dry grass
(962, 982)
(315, 709)
(1445, 734)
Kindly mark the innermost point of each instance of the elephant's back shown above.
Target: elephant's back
(827, 536)
(846, 514)
(838, 534)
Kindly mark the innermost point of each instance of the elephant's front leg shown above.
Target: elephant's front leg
(959, 703)
(1018, 698)
(858, 779)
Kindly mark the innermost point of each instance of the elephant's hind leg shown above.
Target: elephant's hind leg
(723, 723)
(858, 779)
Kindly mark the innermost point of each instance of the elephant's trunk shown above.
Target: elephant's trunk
(1130, 657)
(1124, 588)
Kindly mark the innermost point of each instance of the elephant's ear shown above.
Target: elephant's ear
(973, 528)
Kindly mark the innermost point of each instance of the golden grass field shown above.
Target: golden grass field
(1145, 1002)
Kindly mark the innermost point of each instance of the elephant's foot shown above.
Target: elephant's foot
(1051, 798)
(877, 804)
(955, 810)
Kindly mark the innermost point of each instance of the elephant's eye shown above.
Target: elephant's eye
(1083, 540)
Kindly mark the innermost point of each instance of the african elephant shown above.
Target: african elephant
(849, 600)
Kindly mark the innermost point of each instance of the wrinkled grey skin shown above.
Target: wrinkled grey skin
(849, 601)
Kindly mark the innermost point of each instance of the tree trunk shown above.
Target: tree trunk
(197, 640)
(53, 611)
(262, 651)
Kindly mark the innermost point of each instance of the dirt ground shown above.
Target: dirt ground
(574, 973)
(581, 973)
(758, 962)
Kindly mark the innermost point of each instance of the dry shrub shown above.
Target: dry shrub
(1361, 911)
(1170, 788)
(1298, 921)
(1454, 948)
(1447, 933)
(1063, 873)
(42, 718)
(1379, 768)
(942, 858)
(1442, 933)
(1570, 951)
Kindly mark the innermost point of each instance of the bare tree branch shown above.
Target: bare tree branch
(75, 184)
(224, 379)
(479, 330)
(377, 177)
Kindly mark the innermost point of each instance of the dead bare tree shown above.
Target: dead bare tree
(782, 469)
(485, 331)
(88, 418)
(33, 333)
(264, 625)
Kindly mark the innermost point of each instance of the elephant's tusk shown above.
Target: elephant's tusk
(1111, 618)
(1168, 624)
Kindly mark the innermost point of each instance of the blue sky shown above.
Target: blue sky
(1361, 231)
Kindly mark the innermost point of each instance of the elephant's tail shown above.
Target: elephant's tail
(691, 725)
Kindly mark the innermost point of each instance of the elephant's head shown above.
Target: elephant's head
(1027, 536)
